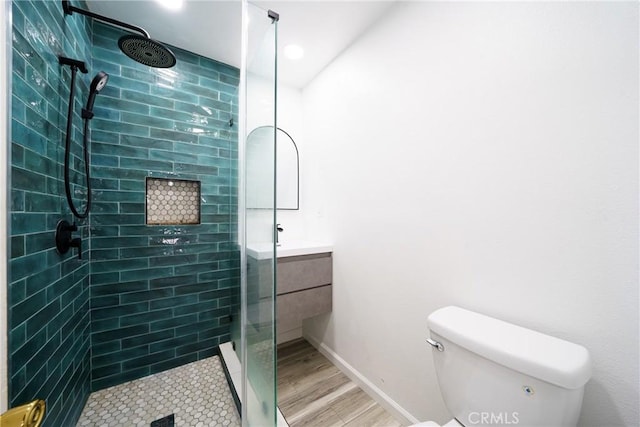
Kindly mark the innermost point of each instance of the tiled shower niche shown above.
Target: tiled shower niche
(172, 202)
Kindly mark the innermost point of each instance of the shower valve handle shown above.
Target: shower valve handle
(65, 240)
(77, 243)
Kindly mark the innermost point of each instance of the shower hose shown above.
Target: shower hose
(67, 153)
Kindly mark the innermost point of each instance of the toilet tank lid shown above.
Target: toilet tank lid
(541, 356)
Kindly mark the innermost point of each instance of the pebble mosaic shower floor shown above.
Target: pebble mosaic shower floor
(197, 393)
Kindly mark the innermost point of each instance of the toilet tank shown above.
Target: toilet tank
(494, 373)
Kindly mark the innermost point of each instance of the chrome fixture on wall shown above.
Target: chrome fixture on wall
(141, 48)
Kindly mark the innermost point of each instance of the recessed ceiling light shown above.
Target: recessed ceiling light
(293, 51)
(171, 4)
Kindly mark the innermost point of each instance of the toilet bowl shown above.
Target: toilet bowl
(493, 373)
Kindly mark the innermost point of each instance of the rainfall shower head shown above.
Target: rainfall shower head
(146, 51)
(140, 48)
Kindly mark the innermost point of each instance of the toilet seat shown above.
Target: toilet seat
(452, 423)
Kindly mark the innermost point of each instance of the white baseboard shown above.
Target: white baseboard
(371, 389)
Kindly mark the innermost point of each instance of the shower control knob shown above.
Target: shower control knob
(65, 239)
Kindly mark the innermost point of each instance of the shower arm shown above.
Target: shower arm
(69, 9)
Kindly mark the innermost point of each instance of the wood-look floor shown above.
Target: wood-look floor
(312, 392)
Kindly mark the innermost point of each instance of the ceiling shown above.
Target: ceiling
(212, 28)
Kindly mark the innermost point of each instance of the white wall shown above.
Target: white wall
(483, 155)
(290, 119)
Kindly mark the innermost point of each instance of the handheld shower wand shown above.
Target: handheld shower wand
(99, 82)
(64, 238)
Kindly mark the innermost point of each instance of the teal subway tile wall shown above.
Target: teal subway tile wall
(49, 317)
(160, 294)
(143, 298)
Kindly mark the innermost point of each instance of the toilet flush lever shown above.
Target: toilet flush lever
(435, 344)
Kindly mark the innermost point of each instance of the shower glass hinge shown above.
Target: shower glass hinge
(275, 16)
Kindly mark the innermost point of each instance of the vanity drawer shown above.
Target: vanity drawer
(293, 307)
(302, 272)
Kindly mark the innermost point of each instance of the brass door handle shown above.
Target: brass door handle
(28, 415)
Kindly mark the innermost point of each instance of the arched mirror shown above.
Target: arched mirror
(259, 148)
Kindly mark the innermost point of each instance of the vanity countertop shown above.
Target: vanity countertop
(287, 249)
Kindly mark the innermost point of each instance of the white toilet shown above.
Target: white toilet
(494, 373)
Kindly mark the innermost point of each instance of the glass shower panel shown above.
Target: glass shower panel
(258, 299)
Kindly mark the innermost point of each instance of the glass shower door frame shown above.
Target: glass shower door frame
(257, 225)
